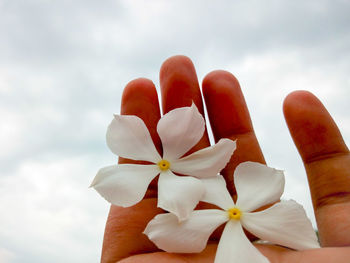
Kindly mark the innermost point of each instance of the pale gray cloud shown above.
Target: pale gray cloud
(63, 66)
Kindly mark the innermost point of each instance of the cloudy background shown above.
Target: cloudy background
(63, 66)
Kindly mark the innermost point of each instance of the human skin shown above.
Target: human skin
(325, 156)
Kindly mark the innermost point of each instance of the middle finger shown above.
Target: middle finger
(179, 88)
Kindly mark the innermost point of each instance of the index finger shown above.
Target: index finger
(123, 233)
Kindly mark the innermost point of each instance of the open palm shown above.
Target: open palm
(323, 151)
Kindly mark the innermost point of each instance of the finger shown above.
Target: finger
(140, 99)
(327, 162)
(206, 256)
(179, 88)
(275, 254)
(229, 118)
(123, 233)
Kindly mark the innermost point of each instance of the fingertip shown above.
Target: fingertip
(312, 128)
(298, 94)
(179, 84)
(181, 61)
(227, 110)
(140, 98)
(138, 88)
(211, 80)
(220, 85)
(296, 100)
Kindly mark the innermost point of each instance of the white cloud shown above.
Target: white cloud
(6, 256)
(62, 70)
(49, 203)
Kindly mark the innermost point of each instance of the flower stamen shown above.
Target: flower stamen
(234, 213)
(164, 165)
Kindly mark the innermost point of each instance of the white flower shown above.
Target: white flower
(284, 223)
(179, 130)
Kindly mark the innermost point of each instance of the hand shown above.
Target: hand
(323, 151)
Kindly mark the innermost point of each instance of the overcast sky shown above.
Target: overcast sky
(63, 66)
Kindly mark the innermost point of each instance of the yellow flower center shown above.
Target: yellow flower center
(234, 213)
(164, 165)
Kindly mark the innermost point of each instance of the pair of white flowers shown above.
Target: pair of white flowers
(185, 230)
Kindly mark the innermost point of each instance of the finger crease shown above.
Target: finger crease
(333, 198)
(327, 156)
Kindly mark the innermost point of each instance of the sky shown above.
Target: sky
(63, 67)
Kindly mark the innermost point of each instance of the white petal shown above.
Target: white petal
(179, 194)
(257, 185)
(285, 223)
(216, 192)
(189, 236)
(127, 136)
(179, 130)
(206, 162)
(124, 184)
(234, 246)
